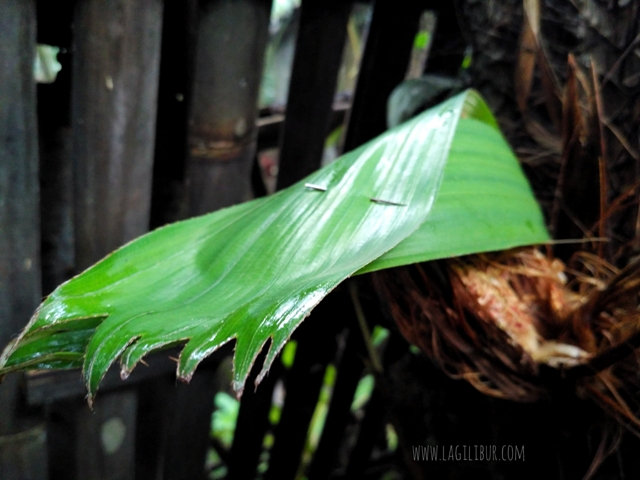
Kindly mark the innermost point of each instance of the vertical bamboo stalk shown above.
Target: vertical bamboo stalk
(321, 37)
(187, 426)
(316, 348)
(232, 36)
(319, 46)
(386, 57)
(116, 50)
(448, 45)
(98, 444)
(19, 214)
(350, 370)
(115, 85)
(221, 139)
(384, 65)
(253, 421)
(22, 448)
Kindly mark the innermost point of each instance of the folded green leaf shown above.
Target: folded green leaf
(253, 272)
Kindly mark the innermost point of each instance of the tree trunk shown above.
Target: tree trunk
(521, 66)
(563, 79)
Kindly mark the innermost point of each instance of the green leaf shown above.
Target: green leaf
(253, 272)
(224, 418)
(484, 204)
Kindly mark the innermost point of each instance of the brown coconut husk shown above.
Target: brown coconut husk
(519, 324)
(502, 321)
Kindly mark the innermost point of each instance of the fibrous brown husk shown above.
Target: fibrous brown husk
(503, 321)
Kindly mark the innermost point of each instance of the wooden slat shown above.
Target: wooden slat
(231, 43)
(350, 371)
(372, 426)
(115, 85)
(387, 53)
(319, 47)
(270, 127)
(386, 57)
(253, 421)
(98, 444)
(116, 50)
(22, 445)
(448, 46)
(187, 440)
(173, 434)
(27, 454)
(316, 349)
(230, 46)
(232, 38)
(168, 202)
(174, 422)
(19, 208)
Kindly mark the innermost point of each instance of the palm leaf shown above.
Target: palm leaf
(253, 272)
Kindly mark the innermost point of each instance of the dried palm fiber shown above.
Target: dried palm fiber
(502, 321)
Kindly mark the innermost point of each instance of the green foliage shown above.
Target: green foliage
(289, 353)
(320, 414)
(442, 184)
(422, 40)
(223, 420)
(46, 66)
(363, 392)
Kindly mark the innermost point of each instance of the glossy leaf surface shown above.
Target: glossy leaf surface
(253, 272)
